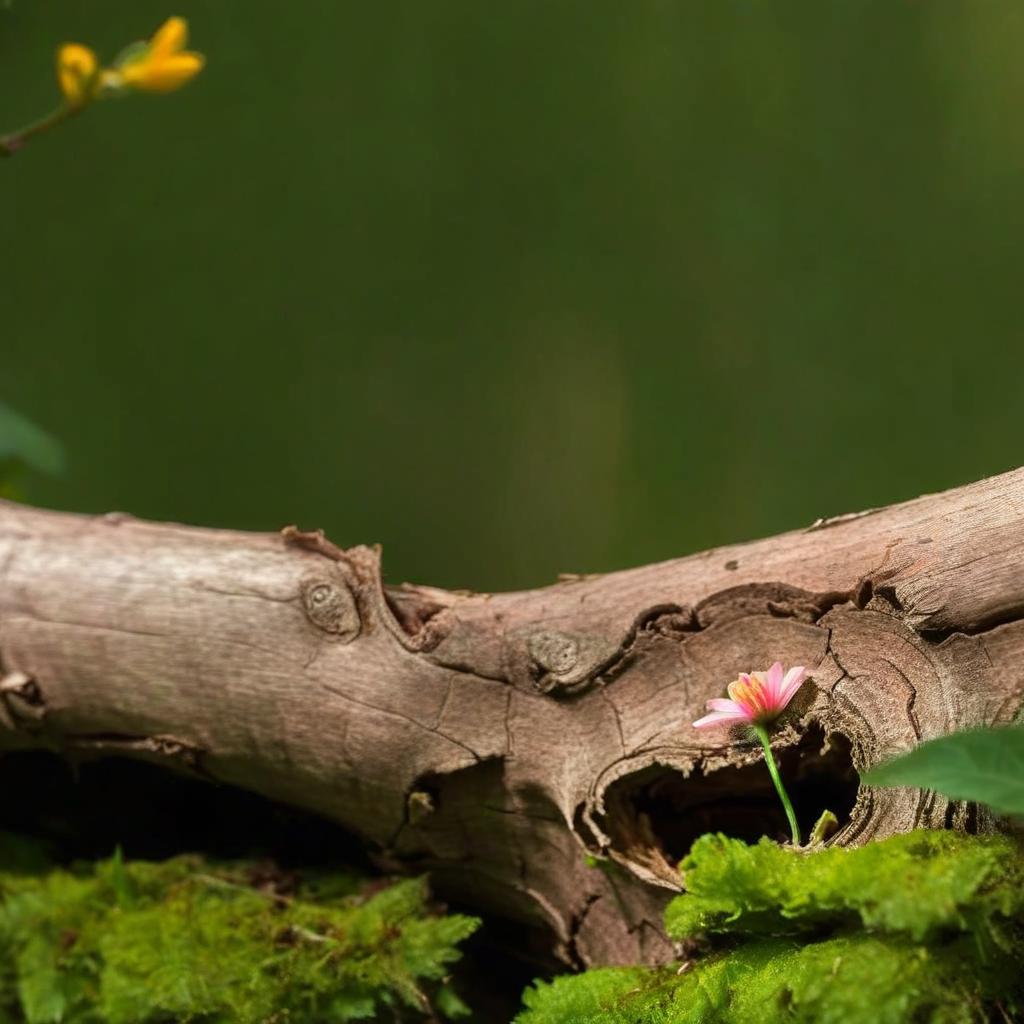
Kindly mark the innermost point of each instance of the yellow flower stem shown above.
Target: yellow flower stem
(762, 734)
(10, 144)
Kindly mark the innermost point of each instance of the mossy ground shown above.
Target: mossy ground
(925, 927)
(187, 940)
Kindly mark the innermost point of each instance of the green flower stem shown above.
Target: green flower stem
(10, 144)
(762, 734)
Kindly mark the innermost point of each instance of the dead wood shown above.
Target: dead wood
(498, 740)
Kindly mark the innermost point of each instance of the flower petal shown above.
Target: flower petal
(722, 704)
(163, 76)
(76, 73)
(720, 718)
(795, 678)
(773, 681)
(169, 38)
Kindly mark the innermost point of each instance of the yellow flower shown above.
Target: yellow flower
(77, 69)
(162, 65)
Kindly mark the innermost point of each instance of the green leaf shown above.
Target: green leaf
(826, 824)
(133, 52)
(40, 986)
(983, 765)
(120, 881)
(21, 441)
(450, 1004)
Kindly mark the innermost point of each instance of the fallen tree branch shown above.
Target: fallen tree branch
(498, 740)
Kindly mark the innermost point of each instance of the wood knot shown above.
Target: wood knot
(331, 607)
(555, 652)
(565, 663)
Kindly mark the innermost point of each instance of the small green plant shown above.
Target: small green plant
(982, 765)
(161, 64)
(24, 447)
(185, 940)
(925, 926)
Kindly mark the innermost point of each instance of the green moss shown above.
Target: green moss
(843, 980)
(187, 941)
(919, 884)
(921, 927)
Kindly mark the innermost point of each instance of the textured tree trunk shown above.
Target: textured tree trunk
(498, 740)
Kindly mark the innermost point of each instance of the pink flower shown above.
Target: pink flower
(758, 698)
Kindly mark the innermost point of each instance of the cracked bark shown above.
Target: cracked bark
(497, 740)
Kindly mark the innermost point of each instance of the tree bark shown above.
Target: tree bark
(498, 740)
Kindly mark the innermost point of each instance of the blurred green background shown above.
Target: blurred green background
(527, 287)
